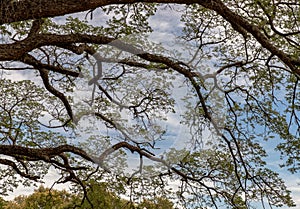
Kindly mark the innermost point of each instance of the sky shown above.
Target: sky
(166, 23)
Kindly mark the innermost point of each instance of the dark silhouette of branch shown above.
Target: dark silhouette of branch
(43, 8)
(51, 89)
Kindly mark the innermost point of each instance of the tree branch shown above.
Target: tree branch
(30, 60)
(44, 154)
(52, 90)
(43, 8)
(15, 167)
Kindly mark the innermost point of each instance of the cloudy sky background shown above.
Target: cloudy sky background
(165, 24)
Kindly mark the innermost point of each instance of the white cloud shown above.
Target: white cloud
(49, 179)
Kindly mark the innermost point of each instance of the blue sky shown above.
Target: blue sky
(166, 23)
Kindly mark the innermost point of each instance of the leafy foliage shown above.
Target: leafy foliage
(188, 117)
(45, 198)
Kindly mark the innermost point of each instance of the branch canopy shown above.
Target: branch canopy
(181, 99)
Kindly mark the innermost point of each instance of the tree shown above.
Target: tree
(50, 198)
(102, 92)
(159, 203)
(43, 198)
(2, 202)
(101, 197)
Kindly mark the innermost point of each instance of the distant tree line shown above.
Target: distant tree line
(99, 196)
